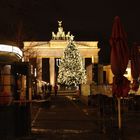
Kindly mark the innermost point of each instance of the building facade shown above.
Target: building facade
(8, 56)
(47, 54)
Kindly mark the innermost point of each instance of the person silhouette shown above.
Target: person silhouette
(55, 89)
(49, 89)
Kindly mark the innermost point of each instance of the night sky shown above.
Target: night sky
(87, 20)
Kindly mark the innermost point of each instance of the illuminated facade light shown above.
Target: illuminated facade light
(52, 51)
(58, 61)
(11, 49)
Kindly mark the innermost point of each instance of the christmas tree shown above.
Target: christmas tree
(71, 69)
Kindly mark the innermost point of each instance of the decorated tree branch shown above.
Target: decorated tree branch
(71, 69)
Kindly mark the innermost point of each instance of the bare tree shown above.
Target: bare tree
(31, 52)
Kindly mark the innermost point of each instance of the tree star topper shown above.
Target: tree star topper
(71, 38)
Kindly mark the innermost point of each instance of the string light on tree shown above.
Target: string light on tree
(71, 69)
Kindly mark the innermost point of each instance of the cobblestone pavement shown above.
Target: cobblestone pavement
(64, 118)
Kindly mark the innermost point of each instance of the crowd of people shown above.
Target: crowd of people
(47, 89)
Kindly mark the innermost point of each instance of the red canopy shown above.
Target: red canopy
(119, 59)
(135, 66)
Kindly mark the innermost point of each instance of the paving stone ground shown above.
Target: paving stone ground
(64, 118)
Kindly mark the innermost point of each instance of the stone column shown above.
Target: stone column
(52, 71)
(7, 79)
(100, 74)
(83, 60)
(6, 91)
(95, 59)
(39, 69)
